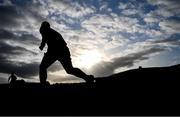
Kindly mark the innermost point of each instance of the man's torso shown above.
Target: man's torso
(55, 41)
(57, 47)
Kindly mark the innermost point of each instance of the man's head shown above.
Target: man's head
(44, 27)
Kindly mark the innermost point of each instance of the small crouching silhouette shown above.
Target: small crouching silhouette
(13, 80)
(57, 50)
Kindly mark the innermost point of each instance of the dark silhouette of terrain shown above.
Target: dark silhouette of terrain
(143, 91)
(157, 74)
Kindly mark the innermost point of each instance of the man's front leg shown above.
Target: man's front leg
(42, 75)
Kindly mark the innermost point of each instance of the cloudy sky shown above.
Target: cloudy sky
(104, 36)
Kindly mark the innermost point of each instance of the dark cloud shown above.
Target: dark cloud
(168, 42)
(20, 15)
(9, 16)
(10, 19)
(21, 69)
(8, 52)
(27, 39)
(173, 40)
(166, 8)
(23, 38)
(4, 34)
(107, 68)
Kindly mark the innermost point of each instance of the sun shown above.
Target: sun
(89, 58)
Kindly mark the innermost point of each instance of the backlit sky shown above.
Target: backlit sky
(104, 36)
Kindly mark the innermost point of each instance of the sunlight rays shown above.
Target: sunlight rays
(89, 58)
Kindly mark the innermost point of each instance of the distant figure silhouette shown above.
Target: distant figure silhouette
(57, 50)
(12, 78)
(140, 67)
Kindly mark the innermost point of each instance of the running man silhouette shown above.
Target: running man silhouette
(57, 50)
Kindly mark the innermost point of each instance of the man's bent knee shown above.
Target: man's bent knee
(70, 70)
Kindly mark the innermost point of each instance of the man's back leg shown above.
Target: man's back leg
(79, 73)
(67, 64)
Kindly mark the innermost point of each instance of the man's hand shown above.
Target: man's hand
(41, 48)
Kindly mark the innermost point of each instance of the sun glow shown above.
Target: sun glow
(89, 58)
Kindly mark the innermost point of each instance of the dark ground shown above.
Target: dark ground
(146, 91)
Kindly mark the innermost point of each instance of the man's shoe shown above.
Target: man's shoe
(89, 79)
(45, 83)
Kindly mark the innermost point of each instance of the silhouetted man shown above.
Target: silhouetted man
(12, 78)
(57, 50)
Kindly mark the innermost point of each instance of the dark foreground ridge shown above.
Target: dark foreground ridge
(143, 91)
